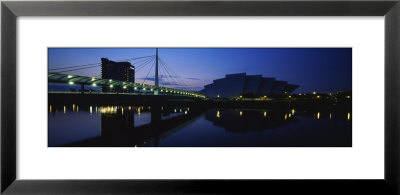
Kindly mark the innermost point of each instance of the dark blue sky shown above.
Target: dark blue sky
(314, 69)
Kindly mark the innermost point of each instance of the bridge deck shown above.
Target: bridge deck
(54, 77)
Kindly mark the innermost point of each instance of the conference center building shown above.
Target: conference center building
(235, 85)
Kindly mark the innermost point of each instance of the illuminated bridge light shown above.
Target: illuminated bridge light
(314, 92)
(94, 81)
(292, 111)
(90, 110)
(265, 114)
(330, 115)
(318, 96)
(240, 113)
(65, 109)
(285, 116)
(318, 115)
(50, 108)
(218, 116)
(348, 116)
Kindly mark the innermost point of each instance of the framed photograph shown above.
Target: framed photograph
(199, 97)
(142, 101)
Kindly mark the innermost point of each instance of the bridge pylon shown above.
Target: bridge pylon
(156, 74)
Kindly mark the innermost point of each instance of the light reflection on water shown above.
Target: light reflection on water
(127, 126)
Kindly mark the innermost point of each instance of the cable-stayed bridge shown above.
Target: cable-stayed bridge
(66, 75)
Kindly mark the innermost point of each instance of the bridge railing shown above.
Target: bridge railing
(54, 77)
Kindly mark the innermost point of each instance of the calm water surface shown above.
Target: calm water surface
(130, 126)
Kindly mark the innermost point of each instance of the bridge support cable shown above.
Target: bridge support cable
(164, 75)
(168, 73)
(71, 70)
(171, 78)
(146, 65)
(94, 64)
(72, 67)
(137, 58)
(148, 73)
(174, 75)
(143, 64)
(174, 78)
(141, 61)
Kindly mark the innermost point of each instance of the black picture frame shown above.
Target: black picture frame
(10, 10)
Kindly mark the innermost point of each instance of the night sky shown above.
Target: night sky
(314, 69)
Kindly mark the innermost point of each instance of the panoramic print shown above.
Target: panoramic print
(199, 97)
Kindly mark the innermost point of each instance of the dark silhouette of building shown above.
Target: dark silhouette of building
(235, 85)
(119, 71)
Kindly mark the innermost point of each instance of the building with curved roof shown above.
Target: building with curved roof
(234, 85)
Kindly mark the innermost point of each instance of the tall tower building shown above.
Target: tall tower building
(120, 71)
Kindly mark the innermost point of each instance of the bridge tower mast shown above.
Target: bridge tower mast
(156, 79)
(156, 74)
